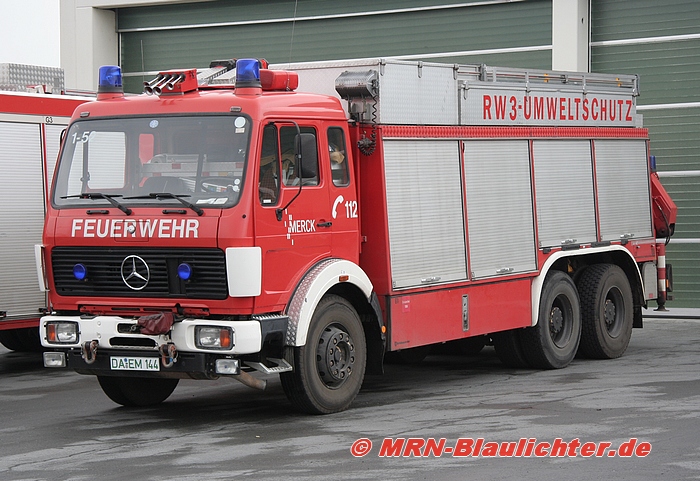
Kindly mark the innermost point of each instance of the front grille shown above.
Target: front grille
(104, 272)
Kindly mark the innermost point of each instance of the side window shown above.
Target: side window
(291, 173)
(269, 183)
(336, 148)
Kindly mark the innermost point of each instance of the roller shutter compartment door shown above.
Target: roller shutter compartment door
(21, 219)
(499, 207)
(623, 189)
(564, 190)
(425, 212)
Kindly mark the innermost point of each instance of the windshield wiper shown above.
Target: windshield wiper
(168, 195)
(98, 195)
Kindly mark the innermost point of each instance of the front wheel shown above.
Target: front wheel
(553, 341)
(329, 369)
(137, 391)
(508, 349)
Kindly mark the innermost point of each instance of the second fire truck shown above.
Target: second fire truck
(225, 223)
(34, 110)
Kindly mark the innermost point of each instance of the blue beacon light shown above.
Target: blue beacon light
(247, 73)
(184, 271)
(110, 80)
(80, 272)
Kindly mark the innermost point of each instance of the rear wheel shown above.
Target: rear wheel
(553, 341)
(137, 391)
(329, 369)
(606, 311)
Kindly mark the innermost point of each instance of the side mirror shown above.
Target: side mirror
(306, 159)
(306, 155)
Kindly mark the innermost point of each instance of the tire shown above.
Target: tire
(137, 391)
(326, 380)
(11, 340)
(468, 346)
(414, 355)
(607, 312)
(508, 349)
(30, 339)
(471, 346)
(552, 343)
(21, 340)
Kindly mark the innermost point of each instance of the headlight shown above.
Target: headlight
(213, 337)
(60, 332)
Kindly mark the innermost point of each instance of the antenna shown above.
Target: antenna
(143, 63)
(294, 22)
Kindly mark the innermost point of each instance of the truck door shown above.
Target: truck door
(293, 214)
(343, 196)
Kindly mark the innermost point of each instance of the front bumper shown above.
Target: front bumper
(113, 332)
(105, 345)
(185, 365)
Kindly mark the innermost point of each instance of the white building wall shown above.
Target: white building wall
(89, 37)
(570, 35)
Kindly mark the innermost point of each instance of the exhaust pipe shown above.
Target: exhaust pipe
(251, 381)
(148, 86)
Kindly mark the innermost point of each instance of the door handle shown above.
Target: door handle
(324, 224)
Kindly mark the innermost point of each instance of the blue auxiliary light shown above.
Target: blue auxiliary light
(247, 72)
(184, 271)
(110, 80)
(80, 272)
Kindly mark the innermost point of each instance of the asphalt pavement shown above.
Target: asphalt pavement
(416, 422)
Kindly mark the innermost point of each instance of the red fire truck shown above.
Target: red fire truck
(203, 230)
(30, 129)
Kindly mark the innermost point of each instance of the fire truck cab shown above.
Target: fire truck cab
(202, 229)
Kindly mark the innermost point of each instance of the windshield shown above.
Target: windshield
(153, 160)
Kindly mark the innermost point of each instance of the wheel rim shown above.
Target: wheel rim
(335, 356)
(560, 321)
(613, 312)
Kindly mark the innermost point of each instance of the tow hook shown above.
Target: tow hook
(89, 351)
(168, 354)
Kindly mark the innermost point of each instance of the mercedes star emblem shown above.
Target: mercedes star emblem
(135, 272)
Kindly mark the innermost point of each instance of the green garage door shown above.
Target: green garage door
(661, 42)
(508, 33)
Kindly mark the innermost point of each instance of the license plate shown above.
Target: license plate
(134, 363)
